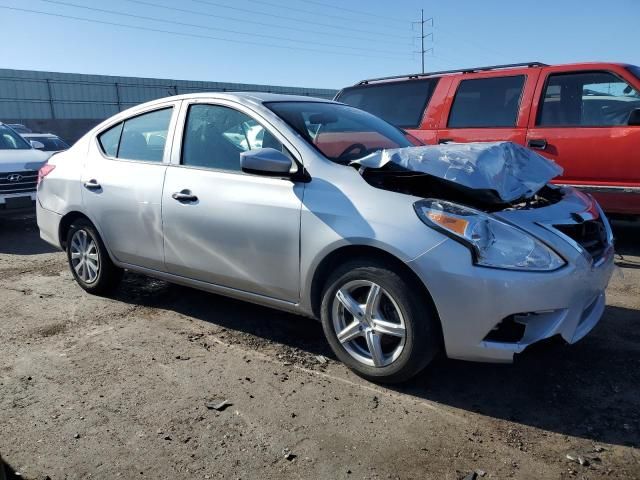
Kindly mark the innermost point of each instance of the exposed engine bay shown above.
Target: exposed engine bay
(488, 176)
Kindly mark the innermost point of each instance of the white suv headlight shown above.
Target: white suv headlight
(493, 242)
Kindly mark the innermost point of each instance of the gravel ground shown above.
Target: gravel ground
(120, 387)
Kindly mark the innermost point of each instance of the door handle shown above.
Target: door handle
(184, 196)
(92, 184)
(445, 140)
(539, 143)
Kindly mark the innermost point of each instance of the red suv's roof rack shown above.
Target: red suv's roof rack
(459, 70)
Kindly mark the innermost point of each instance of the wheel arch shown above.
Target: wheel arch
(365, 252)
(65, 224)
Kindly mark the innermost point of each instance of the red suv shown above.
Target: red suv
(584, 116)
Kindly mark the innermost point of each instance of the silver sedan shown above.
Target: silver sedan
(257, 197)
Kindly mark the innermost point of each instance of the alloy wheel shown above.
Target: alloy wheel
(368, 323)
(85, 257)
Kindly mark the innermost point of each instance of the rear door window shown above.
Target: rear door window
(587, 99)
(110, 139)
(487, 102)
(399, 103)
(144, 137)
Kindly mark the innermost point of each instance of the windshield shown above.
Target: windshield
(10, 140)
(51, 144)
(341, 133)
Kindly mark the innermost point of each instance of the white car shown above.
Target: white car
(19, 165)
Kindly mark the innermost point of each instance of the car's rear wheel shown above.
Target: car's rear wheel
(88, 259)
(378, 321)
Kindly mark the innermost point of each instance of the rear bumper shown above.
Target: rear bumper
(49, 225)
(472, 301)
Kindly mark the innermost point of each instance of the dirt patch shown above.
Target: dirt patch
(120, 387)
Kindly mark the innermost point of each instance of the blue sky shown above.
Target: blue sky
(313, 43)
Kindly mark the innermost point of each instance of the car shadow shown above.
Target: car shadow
(21, 236)
(7, 472)
(587, 390)
(627, 238)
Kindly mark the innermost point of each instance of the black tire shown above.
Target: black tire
(423, 335)
(108, 275)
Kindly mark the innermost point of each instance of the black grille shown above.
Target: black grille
(590, 235)
(18, 182)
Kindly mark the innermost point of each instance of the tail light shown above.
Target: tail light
(45, 170)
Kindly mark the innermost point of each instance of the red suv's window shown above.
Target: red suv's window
(399, 103)
(487, 102)
(587, 99)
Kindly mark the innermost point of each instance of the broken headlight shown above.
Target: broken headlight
(492, 242)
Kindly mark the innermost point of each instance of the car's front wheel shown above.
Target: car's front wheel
(89, 260)
(378, 321)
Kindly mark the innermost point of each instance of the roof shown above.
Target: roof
(255, 98)
(413, 76)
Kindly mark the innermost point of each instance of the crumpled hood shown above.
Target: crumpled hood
(507, 170)
(18, 160)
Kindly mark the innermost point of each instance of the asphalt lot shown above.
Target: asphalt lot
(117, 388)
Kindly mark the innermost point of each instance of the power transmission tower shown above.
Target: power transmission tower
(422, 50)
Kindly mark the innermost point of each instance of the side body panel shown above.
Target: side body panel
(604, 161)
(126, 207)
(516, 134)
(243, 232)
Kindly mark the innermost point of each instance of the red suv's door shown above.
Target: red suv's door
(488, 106)
(580, 119)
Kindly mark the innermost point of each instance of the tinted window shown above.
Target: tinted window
(487, 102)
(635, 70)
(593, 99)
(341, 133)
(215, 136)
(10, 140)
(110, 139)
(399, 103)
(144, 137)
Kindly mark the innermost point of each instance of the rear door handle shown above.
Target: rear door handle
(92, 184)
(539, 143)
(184, 196)
(445, 140)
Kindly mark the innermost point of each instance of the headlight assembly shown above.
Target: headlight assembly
(492, 242)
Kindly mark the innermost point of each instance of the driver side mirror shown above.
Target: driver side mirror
(266, 161)
(634, 118)
(36, 144)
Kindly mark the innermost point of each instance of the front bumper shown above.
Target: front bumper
(27, 205)
(471, 301)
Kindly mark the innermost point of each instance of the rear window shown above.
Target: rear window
(399, 103)
(487, 102)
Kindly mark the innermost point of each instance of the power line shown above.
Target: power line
(253, 22)
(192, 35)
(205, 27)
(253, 12)
(302, 10)
(359, 12)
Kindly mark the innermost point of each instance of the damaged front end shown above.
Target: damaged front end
(486, 176)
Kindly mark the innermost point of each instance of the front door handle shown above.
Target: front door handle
(539, 143)
(184, 196)
(92, 184)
